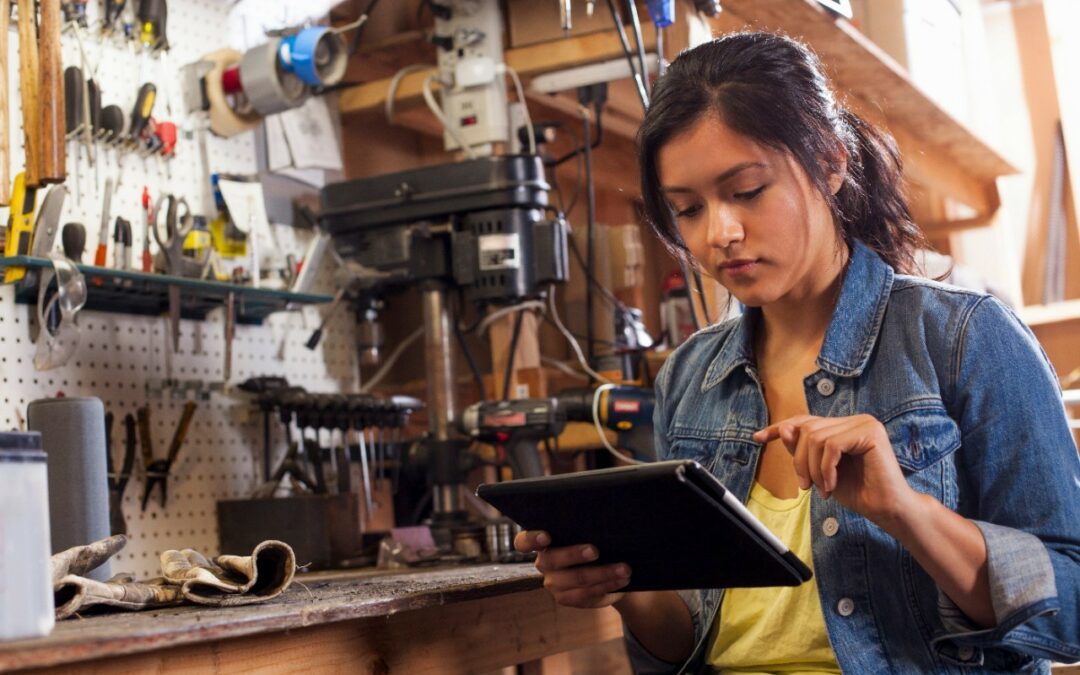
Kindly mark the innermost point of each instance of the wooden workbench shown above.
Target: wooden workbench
(471, 619)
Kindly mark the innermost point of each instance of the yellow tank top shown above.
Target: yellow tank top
(774, 630)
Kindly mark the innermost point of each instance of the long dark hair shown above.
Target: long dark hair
(772, 89)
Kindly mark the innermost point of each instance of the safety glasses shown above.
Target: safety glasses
(58, 340)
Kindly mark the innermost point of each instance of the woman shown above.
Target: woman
(907, 439)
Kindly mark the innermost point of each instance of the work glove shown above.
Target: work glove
(231, 580)
(73, 593)
(80, 560)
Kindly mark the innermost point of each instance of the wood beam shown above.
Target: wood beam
(469, 637)
(527, 61)
(861, 68)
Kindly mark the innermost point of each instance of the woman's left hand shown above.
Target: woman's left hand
(849, 458)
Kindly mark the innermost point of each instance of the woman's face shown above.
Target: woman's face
(749, 215)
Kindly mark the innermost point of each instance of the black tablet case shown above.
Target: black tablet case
(667, 520)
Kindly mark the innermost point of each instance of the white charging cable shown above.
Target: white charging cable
(600, 430)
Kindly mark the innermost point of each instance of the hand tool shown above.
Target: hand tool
(20, 230)
(101, 254)
(118, 480)
(171, 259)
(51, 94)
(230, 332)
(74, 119)
(112, 11)
(140, 113)
(47, 223)
(357, 420)
(122, 244)
(73, 239)
(516, 426)
(5, 141)
(29, 91)
(113, 124)
(148, 209)
(157, 470)
(153, 16)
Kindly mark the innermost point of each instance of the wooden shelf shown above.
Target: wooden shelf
(940, 153)
(861, 68)
(1045, 315)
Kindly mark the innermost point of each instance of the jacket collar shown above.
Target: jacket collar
(852, 332)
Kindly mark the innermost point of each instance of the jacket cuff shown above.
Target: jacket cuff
(642, 661)
(1022, 587)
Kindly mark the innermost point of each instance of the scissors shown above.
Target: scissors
(171, 259)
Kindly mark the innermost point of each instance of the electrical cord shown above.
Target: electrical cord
(395, 82)
(635, 23)
(470, 360)
(508, 376)
(639, 78)
(429, 98)
(600, 429)
(524, 106)
(359, 25)
(604, 291)
(485, 323)
(390, 361)
(559, 365)
(590, 224)
(574, 346)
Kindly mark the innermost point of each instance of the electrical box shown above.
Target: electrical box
(470, 57)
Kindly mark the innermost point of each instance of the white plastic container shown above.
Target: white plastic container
(26, 600)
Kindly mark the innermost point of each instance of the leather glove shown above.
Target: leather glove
(230, 579)
(79, 560)
(72, 594)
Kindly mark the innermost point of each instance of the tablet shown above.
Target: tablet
(672, 522)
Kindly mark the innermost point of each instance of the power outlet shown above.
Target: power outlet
(473, 91)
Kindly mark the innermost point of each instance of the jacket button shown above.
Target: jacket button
(830, 527)
(965, 653)
(826, 387)
(845, 607)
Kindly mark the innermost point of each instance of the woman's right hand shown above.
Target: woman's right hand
(567, 575)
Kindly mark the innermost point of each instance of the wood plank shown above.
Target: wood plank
(1042, 315)
(527, 61)
(857, 66)
(468, 637)
(1062, 21)
(308, 602)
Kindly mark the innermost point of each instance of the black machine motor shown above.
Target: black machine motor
(479, 224)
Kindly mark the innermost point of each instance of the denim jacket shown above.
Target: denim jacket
(974, 413)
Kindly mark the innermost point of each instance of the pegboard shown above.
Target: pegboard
(123, 359)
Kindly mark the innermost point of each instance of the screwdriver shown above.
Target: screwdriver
(148, 207)
(140, 114)
(153, 15)
(103, 232)
(74, 116)
(73, 239)
(122, 244)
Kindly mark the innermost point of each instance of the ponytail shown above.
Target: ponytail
(871, 205)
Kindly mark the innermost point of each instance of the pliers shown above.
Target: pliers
(118, 481)
(157, 470)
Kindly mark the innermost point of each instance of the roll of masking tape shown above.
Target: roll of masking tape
(225, 119)
(317, 55)
(266, 83)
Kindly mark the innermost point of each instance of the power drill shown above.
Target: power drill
(516, 426)
(625, 409)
